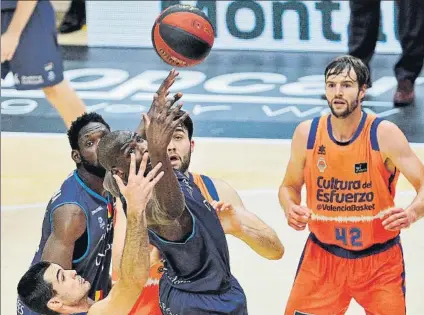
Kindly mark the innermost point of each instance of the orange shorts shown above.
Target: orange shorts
(328, 277)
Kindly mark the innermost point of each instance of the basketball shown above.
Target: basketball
(182, 36)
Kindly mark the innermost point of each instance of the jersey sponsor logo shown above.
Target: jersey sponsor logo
(102, 253)
(102, 223)
(99, 208)
(339, 195)
(32, 79)
(176, 280)
(361, 168)
(165, 309)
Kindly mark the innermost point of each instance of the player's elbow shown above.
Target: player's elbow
(277, 254)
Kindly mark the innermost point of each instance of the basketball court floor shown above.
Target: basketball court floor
(242, 135)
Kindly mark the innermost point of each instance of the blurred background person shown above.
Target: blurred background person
(363, 34)
(29, 49)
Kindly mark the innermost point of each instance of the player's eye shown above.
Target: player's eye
(89, 143)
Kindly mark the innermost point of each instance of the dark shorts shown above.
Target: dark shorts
(178, 302)
(37, 62)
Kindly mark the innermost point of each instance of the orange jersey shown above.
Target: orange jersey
(348, 186)
(148, 302)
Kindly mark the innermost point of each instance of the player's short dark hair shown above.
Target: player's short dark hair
(80, 123)
(347, 62)
(187, 123)
(34, 291)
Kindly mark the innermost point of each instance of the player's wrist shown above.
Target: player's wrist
(14, 31)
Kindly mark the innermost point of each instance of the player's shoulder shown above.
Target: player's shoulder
(303, 129)
(301, 135)
(386, 127)
(389, 136)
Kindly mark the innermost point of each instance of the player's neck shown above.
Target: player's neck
(343, 129)
(92, 181)
(82, 307)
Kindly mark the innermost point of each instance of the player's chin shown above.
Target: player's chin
(87, 286)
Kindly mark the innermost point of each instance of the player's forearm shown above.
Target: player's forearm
(260, 237)
(289, 196)
(168, 194)
(58, 253)
(119, 234)
(134, 269)
(417, 204)
(21, 16)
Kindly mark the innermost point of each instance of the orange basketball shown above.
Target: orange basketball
(182, 36)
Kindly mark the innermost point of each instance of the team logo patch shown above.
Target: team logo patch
(361, 168)
(321, 149)
(322, 165)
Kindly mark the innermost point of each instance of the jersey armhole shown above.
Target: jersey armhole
(210, 186)
(373, 134)
(313, 133)
(86, 227)
(191, 236)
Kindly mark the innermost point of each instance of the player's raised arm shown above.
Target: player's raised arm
(291, 187)
(395, 147)
(169, 203)
(134, 269)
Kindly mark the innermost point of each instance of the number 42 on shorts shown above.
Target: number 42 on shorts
(349, 236)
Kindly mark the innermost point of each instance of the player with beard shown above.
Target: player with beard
(235, 219)
(350, 162)
(77, 227)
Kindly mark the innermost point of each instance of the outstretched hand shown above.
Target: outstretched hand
(139, 188)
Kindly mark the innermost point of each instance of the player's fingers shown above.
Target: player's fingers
(143, 164)
(295, 226)
(151, 175)
(393, 218)
(301, 218)
(213, 203)
(218, 205)
(146, 120)
(227, 206)
(155, 180)
(301, 211)
(397, 225)
(132, 166)
(182, 118)
(177, 97)
(120, 183)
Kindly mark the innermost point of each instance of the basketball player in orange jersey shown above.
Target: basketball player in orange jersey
(350, 162)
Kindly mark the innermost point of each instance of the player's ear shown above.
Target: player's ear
(76, 156)
(55, 304)
(192, 145)
(362, 91)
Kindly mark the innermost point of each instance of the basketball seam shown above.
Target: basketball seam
(174, 28)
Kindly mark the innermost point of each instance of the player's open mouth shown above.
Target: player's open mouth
(339, 102)
(174, 158)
